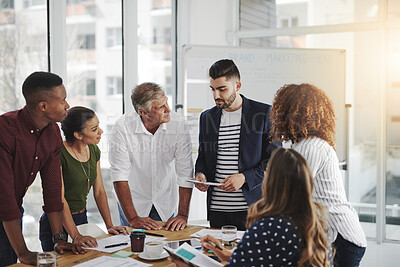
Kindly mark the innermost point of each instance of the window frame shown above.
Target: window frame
(381, 25)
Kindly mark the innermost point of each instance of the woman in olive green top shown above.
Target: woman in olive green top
(80, 166)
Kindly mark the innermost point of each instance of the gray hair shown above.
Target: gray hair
(144, 94)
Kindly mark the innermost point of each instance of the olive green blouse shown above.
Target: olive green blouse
(76, 186)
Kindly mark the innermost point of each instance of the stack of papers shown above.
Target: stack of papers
(106, 261)
(215, 233)
(192, 256)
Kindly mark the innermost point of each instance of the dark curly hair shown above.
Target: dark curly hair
(302, 111)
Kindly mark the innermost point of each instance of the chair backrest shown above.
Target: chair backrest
(89, 229)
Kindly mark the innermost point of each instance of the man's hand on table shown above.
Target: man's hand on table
(177, 223)
(116, 230)
(145, 222)
(28, 257)
(60, 246)
(85, 241)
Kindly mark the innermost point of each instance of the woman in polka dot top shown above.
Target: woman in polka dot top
(286, 227)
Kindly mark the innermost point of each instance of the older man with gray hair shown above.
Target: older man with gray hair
(150, 156)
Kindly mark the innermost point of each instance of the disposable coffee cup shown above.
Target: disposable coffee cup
(153, 249)
(137, 241)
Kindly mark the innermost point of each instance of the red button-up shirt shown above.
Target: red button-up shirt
(24, 151)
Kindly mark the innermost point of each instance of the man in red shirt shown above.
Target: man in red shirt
(30, 142)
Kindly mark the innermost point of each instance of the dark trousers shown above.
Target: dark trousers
(45, 233)
(347, 254)
(152, 215)
(219, 219)
(7, 253)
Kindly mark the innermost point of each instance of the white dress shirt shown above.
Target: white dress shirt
(153, 165)
(329, 190)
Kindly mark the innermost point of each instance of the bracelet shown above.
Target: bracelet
(73, 239)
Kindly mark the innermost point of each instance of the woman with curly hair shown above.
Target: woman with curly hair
(286, 227)
(304, 115)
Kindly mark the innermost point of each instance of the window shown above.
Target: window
(87, 42)
(31, 3)
(155, 49)
(23, 50)
(159, 4)
(373, 164)
(7, 12)
(284, 23)
(6, 4)
(92, 71)
(114, 85)
(114, 37)
(91, 87)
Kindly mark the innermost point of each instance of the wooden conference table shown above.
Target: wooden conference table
(69, 259)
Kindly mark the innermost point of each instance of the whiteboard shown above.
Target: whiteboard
(263, 71)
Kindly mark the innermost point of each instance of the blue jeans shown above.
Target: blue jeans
(7, 253)
(153, 215)
(45, 233)
(347, 254)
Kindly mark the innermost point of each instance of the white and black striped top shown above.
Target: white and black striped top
(329, 190)
(227, 163)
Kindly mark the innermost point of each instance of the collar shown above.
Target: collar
(140, 128)
(27, 121)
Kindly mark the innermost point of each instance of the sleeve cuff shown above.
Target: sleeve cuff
(119, 177)
(53, 207)
(182, 182)
(10, 215)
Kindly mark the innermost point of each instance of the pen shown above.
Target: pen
(147, 233)
(116, 245)
(218, 247)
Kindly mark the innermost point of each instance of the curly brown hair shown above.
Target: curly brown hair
(302, 111)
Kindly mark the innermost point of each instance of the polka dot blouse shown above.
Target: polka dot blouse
(271, 241)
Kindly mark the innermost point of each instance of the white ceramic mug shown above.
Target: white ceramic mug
(153, 249)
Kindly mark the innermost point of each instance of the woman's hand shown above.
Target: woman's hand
(85, 241)
(210, 243)
(116, 230)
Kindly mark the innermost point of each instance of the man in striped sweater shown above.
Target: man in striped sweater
(234, 145)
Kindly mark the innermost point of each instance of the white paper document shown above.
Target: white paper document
(107, 261)
(215, 233)
(205, 183)
(118, 239)
(192, 256)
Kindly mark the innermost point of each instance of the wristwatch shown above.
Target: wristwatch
(60, 236)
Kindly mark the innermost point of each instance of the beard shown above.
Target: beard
(226, 103)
